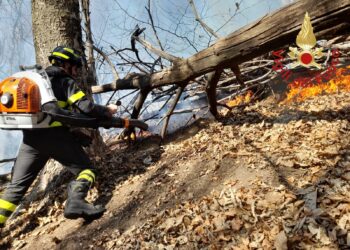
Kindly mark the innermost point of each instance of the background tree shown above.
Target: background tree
(54, 23)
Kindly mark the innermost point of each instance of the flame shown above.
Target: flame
(299, 91)
(306, 38)
(242, 99)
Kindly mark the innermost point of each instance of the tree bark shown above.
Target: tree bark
(213, 79)
(54, 23)
(329, 18)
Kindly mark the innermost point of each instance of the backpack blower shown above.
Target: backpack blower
(27, 101)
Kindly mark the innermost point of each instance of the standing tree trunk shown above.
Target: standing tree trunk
(55, 22)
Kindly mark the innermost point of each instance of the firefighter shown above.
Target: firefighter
(59, 143)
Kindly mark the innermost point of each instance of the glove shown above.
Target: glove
(117, 122)
(138, 124)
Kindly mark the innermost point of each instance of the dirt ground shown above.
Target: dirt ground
(282, 166)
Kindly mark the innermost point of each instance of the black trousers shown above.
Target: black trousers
(36, 149)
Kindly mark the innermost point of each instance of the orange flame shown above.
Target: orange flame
(242, 99)
(300, 91)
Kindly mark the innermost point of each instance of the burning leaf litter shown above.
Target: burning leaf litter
(340, 82)
(242, 99)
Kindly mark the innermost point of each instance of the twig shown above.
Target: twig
(154, 29)
(132, 92)
(202, 23)
(183, 111)
(156, 51)
(253, 212)
(135, 34)
(240, 92)
(106, 58)
(150, 118)
(185, 38)
(110, 98)
(118, 52)
(234, 14)
(171, 110)
(259, 78)
(159, 59)
(165, 103)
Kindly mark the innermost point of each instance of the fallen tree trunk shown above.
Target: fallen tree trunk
(329, 18)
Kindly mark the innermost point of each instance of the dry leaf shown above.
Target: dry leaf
(182, 240)
(236, 224)
(281, 241)
(344, 221)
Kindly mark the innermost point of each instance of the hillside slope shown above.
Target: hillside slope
(266, 176)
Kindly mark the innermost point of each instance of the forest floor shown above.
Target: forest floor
(265, 176)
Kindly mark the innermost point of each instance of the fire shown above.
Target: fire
(242, 99)
(299, 91)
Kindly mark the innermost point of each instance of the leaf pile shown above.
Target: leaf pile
(306, 145)
(260, 217)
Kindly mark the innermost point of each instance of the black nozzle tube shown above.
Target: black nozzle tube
(79, 120)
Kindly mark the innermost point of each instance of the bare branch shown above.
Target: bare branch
(234, 14)
(171, 110)
(174, 33)
(131, 81)
(118, 52)
(149, 46)
(106, 58)
(202, 23)
(153, 27)
(260, 78)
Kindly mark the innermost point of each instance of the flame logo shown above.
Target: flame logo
(306, 40)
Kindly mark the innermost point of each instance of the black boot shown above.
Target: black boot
(77, 206)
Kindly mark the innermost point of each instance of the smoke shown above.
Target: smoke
(286, 2)
(10, 141)
(16, 45)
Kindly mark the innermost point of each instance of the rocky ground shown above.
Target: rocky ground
(266, 176)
